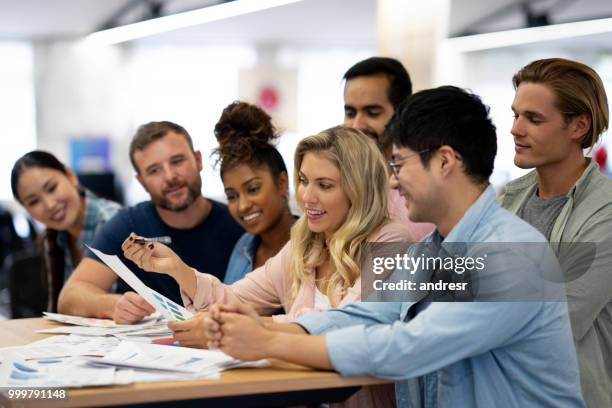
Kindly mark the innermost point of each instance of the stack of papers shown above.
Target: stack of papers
(86, 326)
(149, 334)
(59, 372)
(93, 322)
(165, 358)
(57, 362)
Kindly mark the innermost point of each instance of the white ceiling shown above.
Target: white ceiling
(478, 16)
(319, 23)
(306, 23)
(310, 22)
(41, 19)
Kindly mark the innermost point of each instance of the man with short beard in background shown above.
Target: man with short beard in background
(374, 89)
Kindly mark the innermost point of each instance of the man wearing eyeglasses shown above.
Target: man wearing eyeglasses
(493, 352)
(374, 89)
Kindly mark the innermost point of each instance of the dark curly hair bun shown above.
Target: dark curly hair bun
(243, 120)
(241, 130)
(245, 134)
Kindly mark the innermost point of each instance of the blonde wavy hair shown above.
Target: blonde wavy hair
(364, 180)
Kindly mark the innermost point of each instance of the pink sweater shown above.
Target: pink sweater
(268, 287)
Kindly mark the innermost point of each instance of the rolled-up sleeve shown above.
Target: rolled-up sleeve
(350, 315)
(343, 356)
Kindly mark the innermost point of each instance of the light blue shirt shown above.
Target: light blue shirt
(486, 354)
(241, 260)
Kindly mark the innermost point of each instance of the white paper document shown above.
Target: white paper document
(61, 347)
(166, 358)
(35, 352)
(86, 326)
(56, 372)
(166, 307)
(80, 345)
(149, 327)
(147, 335)
(93, 322)
(85, 331)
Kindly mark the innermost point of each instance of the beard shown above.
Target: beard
(194, 190)
(381, 142)
(371, 134)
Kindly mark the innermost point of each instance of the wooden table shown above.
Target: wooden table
(281, 384)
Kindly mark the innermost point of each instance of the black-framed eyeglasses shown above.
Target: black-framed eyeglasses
(396, 166)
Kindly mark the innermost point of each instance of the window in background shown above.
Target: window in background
(192, 85)
(17, 107)
(320, 100)
(499, 96)
(189, 86)
(604, 69)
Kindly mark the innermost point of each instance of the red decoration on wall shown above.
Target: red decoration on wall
(268, 97)
(601, 157)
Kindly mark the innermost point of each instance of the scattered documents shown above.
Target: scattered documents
(80, 361)
(57, 372)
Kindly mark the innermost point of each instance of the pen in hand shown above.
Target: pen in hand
(164, 240)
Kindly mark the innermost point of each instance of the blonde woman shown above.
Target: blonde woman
(341, 187)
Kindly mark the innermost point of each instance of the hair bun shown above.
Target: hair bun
(242, 122)
(242, 131)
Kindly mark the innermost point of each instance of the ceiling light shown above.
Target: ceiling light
(528, 35)
(181, 20)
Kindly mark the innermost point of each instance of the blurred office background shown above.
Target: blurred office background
(82, 99)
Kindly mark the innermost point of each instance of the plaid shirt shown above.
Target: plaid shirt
(97, 212)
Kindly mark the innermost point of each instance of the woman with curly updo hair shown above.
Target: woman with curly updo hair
(256, 184)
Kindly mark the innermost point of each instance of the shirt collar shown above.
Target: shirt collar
(531, 180)
(583, 181)
(464, 229)
(250, 247)
(90, 219)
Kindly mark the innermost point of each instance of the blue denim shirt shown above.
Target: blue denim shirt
(241, 260)
(486, 354)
